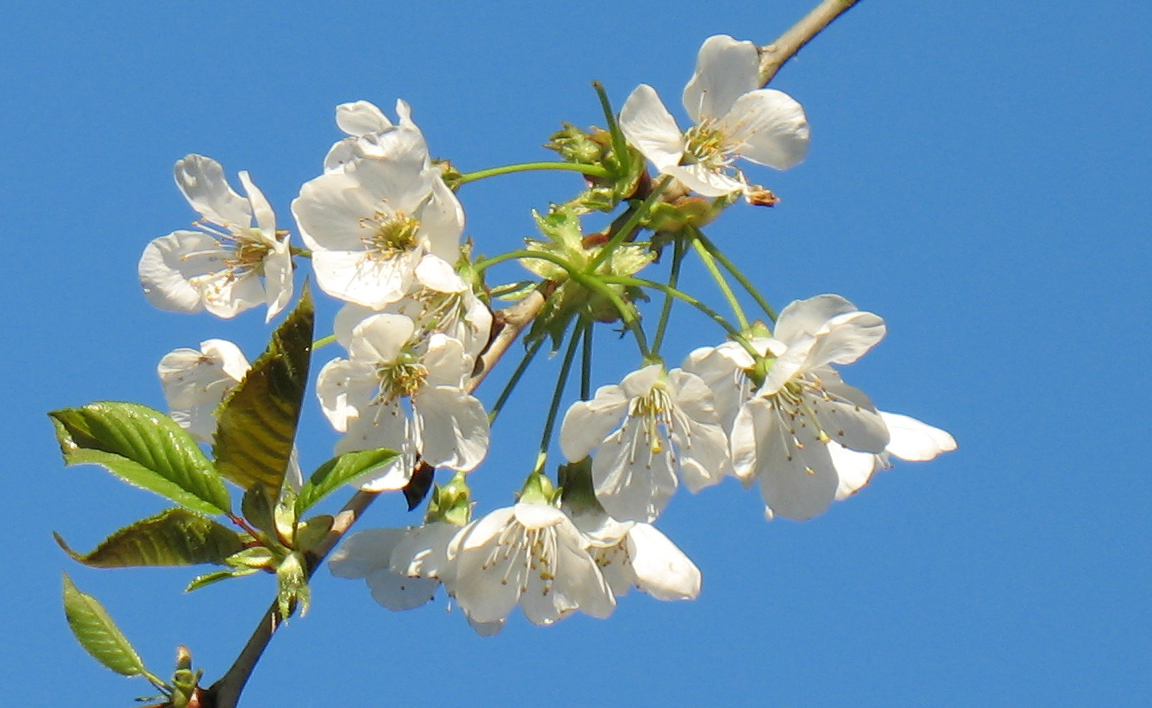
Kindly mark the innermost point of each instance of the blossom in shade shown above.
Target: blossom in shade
(638, 555)
(195, 382)
(644, 430)
(235, 261)
(733, 118)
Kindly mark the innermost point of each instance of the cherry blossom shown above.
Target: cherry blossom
(669, 423)
(362, 395)
(733, 118)
(219, 267)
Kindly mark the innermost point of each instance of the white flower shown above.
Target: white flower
(912, 441)
(372, 134)
(781, 434)
(460, 315)
(669, 423)
(528, 554)
(368, 555)
(195, 383)
(361, 396)
(638, 555)
(218, 268)
(733, 118)
(381, 223)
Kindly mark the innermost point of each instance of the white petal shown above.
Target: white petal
(768, 127)
(437, 274)
(346, 320)
(169, 265)
(797, 478)
(538, 516)
(202, 181)
(379, 339)
(441, 220)
(399, 592)
(278, 279)
(345, 389)
(847, 415)
(261, 209)
(705, 181)
(331, 212)
(364, 552)
(361, 117)
(226, 295)
(915, 441)
(639, 383)
(633, 475)
(446, 362)
(450, 428)
(703, 446)
(423, 552)
(651, 129)
(725, 70)
(722, 370)
(353, 276)
(587, 423)
(809, 317)
(662, 570)
(855, 469)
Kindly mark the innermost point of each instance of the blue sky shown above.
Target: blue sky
(977, 176)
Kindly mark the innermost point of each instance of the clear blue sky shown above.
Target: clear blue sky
(978, 176)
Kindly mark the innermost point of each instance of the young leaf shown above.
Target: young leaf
(337, 471)
(143, 447)
(216, 576)
(98, 634)
(257, 421)
(172, 537)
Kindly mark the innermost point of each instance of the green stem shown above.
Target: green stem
(586, 366)
(323, 342)
(520, 369)
(590, 170)
(630, 225)
(558, 393)
(590, 282)
(619, 146)
(731, 268)
(721, 282)
(678, 251)
(715, 316)
(302, 252)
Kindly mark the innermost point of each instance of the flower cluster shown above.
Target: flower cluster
(382, 228)
(544, 559)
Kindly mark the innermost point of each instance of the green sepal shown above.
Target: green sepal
(335, 472)
(257, 421)
(98, 634)
(310, 533)
(143, 447)
(255, 558)
(293, 586)
(451, 502)
(216, 576)
(171, 538)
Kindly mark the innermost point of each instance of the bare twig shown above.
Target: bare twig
(510, 322)
(773, 56)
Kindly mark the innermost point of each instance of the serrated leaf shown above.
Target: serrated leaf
(98, 634)
(172, 537)
(257, 421)
(335, 472)
(143, 447)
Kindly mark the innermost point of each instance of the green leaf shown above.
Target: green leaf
(143, 447)
(337, 471)
(98, 634)
(172, 537)
(257, 421)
